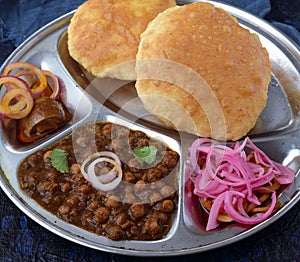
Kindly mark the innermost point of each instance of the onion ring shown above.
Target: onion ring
(12, 82)
(36, 91)
(55, 88)
(20, 109)
(104, 182)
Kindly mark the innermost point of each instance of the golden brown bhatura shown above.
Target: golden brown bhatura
(103, 35)
(202, 73)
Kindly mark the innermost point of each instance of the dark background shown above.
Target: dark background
(22, 239)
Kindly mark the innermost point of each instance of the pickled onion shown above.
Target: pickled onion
(230, 178)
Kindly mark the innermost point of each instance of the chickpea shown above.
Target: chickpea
(106, 130)
(115, 232)
(64, 209)
(139, 186)
(73, 200)
(122, 132)
(56, 199)
(157, 185)
(161, 216)
(129, 177)
(112, 201)
(129, 198)
(167, 206)
(145, 196)
(143, 142)
(138, 210)
(33, 160)
(154, 198)
(94, 204)
(123, 221)
(102, 214)
(84, 189)
(46, 156)
(65, 187)
(170, 159)
(51, 174)
(133, 164)
(151, 226)
(75, 169)
(154, 175)
(167, 191)
(162, 169)
(129, 188)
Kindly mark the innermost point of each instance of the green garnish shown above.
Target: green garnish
(59, 160)
(145, 154)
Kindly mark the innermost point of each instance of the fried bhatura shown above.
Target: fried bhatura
(203, 73)
(103, 35)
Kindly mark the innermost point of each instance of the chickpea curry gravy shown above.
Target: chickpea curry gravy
(141, 207)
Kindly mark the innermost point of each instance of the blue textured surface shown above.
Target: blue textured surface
(21, 239)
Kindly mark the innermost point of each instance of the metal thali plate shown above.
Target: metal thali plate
(276, 132)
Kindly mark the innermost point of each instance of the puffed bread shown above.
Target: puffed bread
(202, 73)
(103, 35)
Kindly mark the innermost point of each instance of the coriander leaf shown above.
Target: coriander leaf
(59, 160)
(145, 154)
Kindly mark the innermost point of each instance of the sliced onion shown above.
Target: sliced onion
(214, 212)
(17, 101)
(103, 178)
(230, 178)
(55, 84)
(104, 182)
(27, 74)
(12, 82)
(21, 108)
(37, 90)
(230, 210)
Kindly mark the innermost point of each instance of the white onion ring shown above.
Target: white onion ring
(104, 178)
(105, 182)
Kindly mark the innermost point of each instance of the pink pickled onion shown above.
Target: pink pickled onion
(229, 179)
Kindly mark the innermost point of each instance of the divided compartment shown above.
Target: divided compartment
(75, 232)
(72, 96)
(195, 216)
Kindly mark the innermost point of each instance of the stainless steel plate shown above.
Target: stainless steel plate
(277, 133)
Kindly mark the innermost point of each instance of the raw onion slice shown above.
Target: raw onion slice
(17, 100)
(11, 82)
(103, 182)
(37, 90)
(55, 83)
(27, 75)
(16, 103)
(31, 79)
